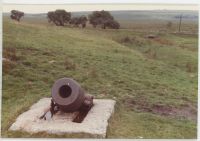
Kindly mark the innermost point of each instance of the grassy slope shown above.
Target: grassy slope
(106, 67)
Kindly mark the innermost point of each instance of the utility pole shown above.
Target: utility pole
(179, 27)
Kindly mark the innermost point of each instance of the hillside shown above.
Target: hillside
(154, 81)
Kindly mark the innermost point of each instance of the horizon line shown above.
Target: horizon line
(114, 11)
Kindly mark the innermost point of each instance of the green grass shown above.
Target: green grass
(106, 67)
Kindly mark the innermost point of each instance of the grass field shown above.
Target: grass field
(154, 81)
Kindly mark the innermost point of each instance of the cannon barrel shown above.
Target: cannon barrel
(69, 96)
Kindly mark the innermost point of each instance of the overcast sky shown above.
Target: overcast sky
(92, 7)
(102, 1)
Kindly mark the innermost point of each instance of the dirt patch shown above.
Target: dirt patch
(162, 109)
(187, 111)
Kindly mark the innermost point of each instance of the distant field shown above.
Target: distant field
(154, 81)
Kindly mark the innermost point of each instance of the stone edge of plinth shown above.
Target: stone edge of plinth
(100, 135)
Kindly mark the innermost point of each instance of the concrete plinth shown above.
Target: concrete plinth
(95, 123)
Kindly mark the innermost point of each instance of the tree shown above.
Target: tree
(74, 21)
(103, 18)
(111, 24)
(59, 17)
(51, 17)
(16, 15)
(83, 20)
(79, 21)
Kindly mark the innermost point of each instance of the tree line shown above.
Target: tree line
(61, 17)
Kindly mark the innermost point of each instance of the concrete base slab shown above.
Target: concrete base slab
(95, 123)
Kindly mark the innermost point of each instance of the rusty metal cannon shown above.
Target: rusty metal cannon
(68, 96)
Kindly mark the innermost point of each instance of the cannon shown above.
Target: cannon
(68, 96)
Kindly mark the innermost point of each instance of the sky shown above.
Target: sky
(44, 8)
(102, 1)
